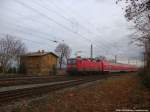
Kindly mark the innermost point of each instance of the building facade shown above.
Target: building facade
(39, 63)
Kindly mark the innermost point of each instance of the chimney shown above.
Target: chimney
(43, 51)
(39, 51)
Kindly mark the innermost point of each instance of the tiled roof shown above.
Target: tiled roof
(40, 54)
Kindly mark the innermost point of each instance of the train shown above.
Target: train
(85, 66)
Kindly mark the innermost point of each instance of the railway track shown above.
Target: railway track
(5, 82)
(26, 80)
(26, 77)
(39, 89)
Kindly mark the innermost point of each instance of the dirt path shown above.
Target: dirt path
(123, 92)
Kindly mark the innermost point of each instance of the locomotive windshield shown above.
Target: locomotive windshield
(71, 61)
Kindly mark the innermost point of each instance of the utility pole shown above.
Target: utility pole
(128, 61)
(144, 59)
(115, 58)
(91, 51)
(136, 62)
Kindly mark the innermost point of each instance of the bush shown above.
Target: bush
(145, 77)
(9, 70)
(21, 69)
(12, 70)
(1, 70)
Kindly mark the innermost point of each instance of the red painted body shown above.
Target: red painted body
(97, 66)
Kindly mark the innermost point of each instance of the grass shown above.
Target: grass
(123, 92)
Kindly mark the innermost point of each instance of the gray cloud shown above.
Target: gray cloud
(100, 22)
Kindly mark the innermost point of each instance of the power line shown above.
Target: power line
(51, 19)
(47, 34)
(29, 30)
(74, 32)
(25, 5)
(34, 21)
(90, 40)
(35, 42)
(61, 15)
(29, 40)
(80, 24)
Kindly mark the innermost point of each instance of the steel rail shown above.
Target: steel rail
(8, 96)
(30, 80)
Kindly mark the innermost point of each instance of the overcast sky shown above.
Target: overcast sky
(78, 22)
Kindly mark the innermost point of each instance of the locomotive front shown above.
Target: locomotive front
(71, 66)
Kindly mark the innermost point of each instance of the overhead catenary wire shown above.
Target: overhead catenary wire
(61, 15)
(87, 29)
(51, 19)
(105, 46)
(97, 46)
(34, 30)
(33, 20)
(73, 12)
(82, 37)
(29, 32)
(29, 40)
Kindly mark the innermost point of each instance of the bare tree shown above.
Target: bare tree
(64, 52)
(138, 11)
(10, 50)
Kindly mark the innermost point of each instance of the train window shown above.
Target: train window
(71, 61)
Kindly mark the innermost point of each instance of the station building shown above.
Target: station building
(39, 63)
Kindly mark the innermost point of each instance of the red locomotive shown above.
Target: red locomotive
(79, 65)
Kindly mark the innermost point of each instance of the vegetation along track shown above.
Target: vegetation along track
(5, 82)
(10, 95)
